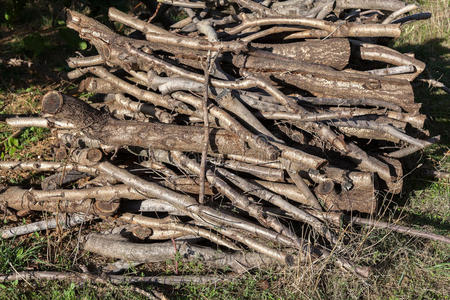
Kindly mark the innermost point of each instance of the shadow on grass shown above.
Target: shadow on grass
(436, 105)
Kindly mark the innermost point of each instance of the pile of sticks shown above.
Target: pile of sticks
(262, 126)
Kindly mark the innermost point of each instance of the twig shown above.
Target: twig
(401, 229)
(436, 84)
(201, 194)
(109, 246)
(155, 13)
(301, 185)
(115, 279)
(412, 148)
(399, 12)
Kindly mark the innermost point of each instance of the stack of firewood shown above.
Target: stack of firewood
(261, 126)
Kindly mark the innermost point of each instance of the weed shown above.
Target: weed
(17, 255)
(12, 145)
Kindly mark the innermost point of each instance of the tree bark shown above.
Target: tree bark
(156, 252)
(323, 82)
(331, 52)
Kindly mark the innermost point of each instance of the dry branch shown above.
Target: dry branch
(401, 229)
(106, 246)
(116, 279)
(63, 221)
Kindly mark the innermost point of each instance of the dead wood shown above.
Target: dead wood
(177, 226)
(116, 279)
(155, 252)
(237, 199)
(46, 166)
(331, 52)
(275, 199)
(400, 228)
(412, 149)
(390, 5)
(265, 173)
(333, 30)
(384, 54)
(101, 126)
(62, 221)
(190, 206)
(329, 83)
(292, 133)
(19, 199)
(80, 62)
(357, 199)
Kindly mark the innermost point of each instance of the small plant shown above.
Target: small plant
(12, 145)
(17, 255)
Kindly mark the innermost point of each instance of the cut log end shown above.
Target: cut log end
(106, 208)
(52, 102)
(326, 187)
(88, 157)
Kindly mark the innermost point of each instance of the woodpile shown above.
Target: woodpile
(239, 127)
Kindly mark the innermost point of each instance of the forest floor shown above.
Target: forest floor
(403, 267)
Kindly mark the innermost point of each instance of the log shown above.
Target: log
(61, 220)
(19, 199)
(324, 82)
(331, 52)
(117, 133)
(357, 199)
(293, 113)
(157, 252)
(390, 5)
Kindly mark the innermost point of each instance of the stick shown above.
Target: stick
(437, 84)
(62, 220)
(80, 62)
(399, 12)
(38, 122)
(391, 5)
(344, 30)
(112, 132)
(106, 246)
(19, 199)
(157, 223)
(184, 3)
(46, 166)
(412, 149)
(401, 229)
(147, 28)
(304, 189)
(276, 200)
(201, 194)
(414, 17)
(210, 217)
(393, 70)
(239, 200)
(228, 122)
(116, 279)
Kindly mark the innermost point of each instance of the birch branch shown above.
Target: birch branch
(63, 221)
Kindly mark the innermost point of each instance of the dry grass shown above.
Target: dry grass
(437, 27)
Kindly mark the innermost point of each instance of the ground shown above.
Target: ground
(403, 267)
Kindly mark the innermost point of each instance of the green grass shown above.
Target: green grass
(64, 290)
(12, 146)
(18, 254)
